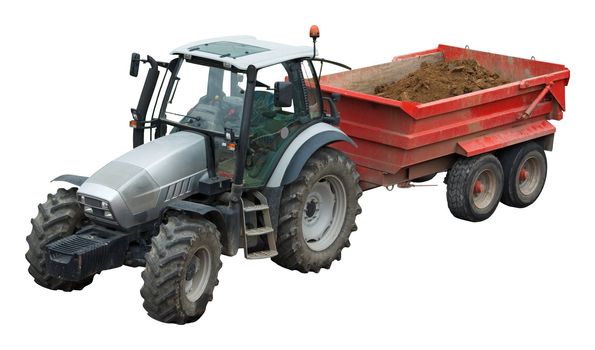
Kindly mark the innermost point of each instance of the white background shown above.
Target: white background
(414, 277)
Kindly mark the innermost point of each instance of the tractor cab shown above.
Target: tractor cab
(207, 88)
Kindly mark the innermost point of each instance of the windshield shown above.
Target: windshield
(208, 98)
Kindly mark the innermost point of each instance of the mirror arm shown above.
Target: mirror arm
(335, 116)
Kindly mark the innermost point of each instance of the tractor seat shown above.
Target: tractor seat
(263, 106)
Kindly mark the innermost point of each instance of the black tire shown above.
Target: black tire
(182, 243)
(57, 218)
(295, 253)
(474, 187)
(525, 172)
(424, 178)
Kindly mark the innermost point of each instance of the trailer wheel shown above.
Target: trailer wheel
(181, 270)
(525, 171)
(317, 213)
(474, 187)
(57, 218)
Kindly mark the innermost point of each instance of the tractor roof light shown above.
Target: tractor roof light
(314, 34)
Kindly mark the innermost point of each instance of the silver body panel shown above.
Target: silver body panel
(140, 183)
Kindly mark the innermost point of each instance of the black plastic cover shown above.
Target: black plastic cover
(86, 253)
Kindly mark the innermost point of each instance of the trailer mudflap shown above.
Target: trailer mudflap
(89, 251)
(504, 138)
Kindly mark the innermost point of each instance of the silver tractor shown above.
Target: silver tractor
(238, 157)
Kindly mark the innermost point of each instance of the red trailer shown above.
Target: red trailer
(491, 141)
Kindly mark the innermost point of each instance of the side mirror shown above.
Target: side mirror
(134, 63)
(283, 94)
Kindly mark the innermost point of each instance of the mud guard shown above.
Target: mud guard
(71, 179)
(213, 214)
(301, 149)
(500, 139)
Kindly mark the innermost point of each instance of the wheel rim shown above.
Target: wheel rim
(197, 274)
(324, 213)
(529, 176)
(484, 189)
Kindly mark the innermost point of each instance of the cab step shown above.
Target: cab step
(263, 254)
(253, 208)
(259, 231)
(263, 216)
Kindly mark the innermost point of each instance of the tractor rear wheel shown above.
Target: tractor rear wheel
(181, 269)
(525, 171)
(474, 186)
(317, 213)
(57, 218)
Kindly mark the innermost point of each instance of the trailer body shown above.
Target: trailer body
(401, 140)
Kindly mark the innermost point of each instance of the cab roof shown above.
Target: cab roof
(242, 51)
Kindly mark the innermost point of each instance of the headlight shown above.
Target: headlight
(96, 207)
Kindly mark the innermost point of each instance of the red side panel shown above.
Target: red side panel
(394, 136)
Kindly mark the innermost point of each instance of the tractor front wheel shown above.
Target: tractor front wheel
(181, 270)
(60, 216)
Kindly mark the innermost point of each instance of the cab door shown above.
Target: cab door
(272, 128)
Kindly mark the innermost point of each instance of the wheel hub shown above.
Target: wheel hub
(484, 189)
(312, 209)
(523, 175)
(324, 212)
(197, 274)
(478, 187)
(530, 174)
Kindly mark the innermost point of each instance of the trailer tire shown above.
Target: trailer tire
(474, 187)
(57, 218)
(307, 239)
(525, 172)
(174, 289)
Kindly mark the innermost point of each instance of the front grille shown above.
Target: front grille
(92, 202)
(96, 208)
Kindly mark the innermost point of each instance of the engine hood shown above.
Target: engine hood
(138, 184)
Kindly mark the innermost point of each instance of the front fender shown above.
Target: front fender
(211, 213)
(301, 149)
(216, 215)
(71, 179)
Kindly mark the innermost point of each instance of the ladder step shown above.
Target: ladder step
(258, 207)
(259, 231)
(263, 254)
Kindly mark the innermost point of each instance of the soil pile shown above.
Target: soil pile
(433, 82)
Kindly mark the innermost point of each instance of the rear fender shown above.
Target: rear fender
(301, 149)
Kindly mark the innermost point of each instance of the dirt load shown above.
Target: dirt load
(436, 81)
